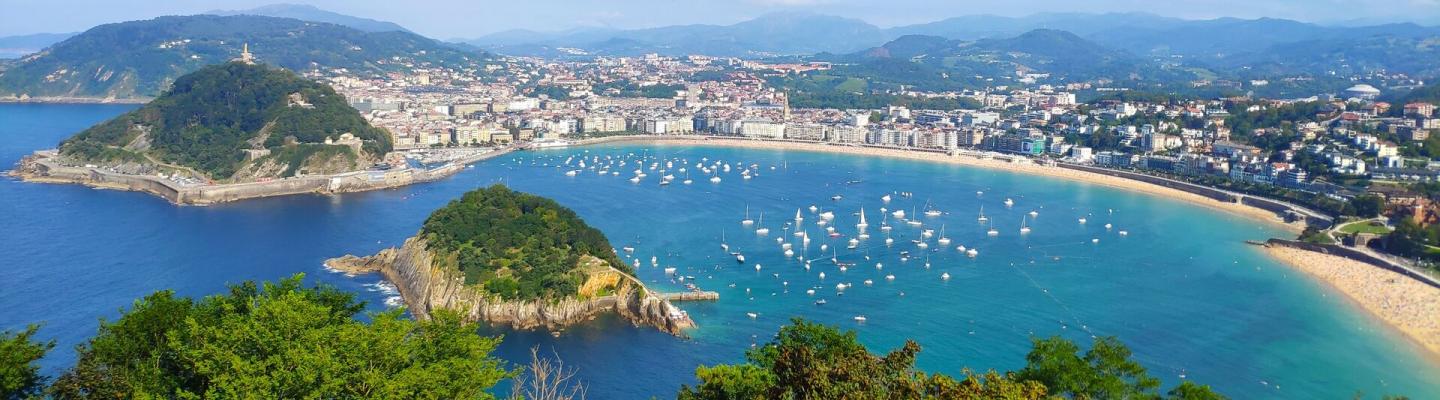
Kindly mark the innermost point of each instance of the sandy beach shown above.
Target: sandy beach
(1026, 167)
(1411, 307)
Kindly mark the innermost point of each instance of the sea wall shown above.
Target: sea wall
(426, 286)
(1218, 195)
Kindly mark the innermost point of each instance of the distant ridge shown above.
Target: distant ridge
(305, 12)
(142, 58)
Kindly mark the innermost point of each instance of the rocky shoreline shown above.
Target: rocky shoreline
(425, 287)
(42, 168)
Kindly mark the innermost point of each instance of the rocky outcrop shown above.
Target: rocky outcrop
(426, 286)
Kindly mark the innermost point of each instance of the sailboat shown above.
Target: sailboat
(747, 221)
(862, 223)
(1024, 229)
(992, 232)
(943, 240)
(913, 222)
(931, 211)
(884, 226)
(763, 230)
(982, 218)
(798, 219)
(723, 245)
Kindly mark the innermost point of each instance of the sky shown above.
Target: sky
(447, 19)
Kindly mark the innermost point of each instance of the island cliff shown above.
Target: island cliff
(426, 287)
(516, 260)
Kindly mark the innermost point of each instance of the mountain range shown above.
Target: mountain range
(142, 58)
(305, 12)
(1277, 45)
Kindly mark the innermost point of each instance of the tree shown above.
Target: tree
(280, 340)
(19, 376)
(1104, 372)
(814, 361)
(1368, 205)
(547, 378)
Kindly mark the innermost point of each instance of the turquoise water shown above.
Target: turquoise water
(1182, 289)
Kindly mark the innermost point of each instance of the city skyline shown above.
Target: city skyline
(470, 20)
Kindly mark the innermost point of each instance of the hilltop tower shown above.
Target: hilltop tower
(245, 56)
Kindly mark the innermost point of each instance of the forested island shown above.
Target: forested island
(235, 122)
(515, 259)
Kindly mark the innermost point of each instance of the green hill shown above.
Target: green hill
(211, 116)
(517, 245)
(142, 58)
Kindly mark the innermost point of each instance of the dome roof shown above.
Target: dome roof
(1363, 89)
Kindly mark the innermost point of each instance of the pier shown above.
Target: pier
(690, 296)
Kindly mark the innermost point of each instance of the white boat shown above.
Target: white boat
(1096, 240)
(635, 180)
(752, 315)
(757, 267)
(747, 221)
(943, 240)
(859, 318)
(854, 242)
(1124, 233)
(868, 282)
(889, 241)
(889, 277)
(945, 276)
(654, 261)
(1009, 202)
(898, 214)
(885, 198)
(789, 253)
(572, 172)
(931, 211)
(879, 266)
(763, 230)
(813, 208)
(828, 215)
(822, 274)
(1082, 220)
(715, 179)
(992, 232)
(922, 245)
(1034, 213)
(670, 271)
(1024, 229)
(972, 253)
(628, 249)
(1107, 227)
(798, 219)
(687, 181)
(862, 224)
(982, 218)
(739, 258)
(928, 233)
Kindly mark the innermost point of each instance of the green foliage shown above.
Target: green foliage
(1103, 372)
(127, 59)
(553, 92)
(625, 88)
(19, 376)
(279, 341)
(516, 245)
(1368, 205)
(210, 115)
(814, 361)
